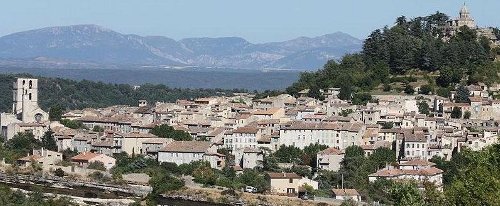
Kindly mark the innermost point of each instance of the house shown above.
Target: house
(85, 158)
(417, 170)
(249, 157)
(289, 183)
(185, 152)
(346, 194)
(151, 146)
(44, 157)
(330, 159)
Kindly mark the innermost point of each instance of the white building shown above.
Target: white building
(185, 152)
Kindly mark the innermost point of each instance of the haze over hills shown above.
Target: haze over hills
(94, 45)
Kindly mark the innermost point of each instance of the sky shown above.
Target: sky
(255, 20)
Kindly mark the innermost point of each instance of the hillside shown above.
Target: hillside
(412, 53)
(91, 45)
(72, 94)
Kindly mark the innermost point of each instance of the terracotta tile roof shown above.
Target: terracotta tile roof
(187, 146)
(137, 135)
(84, 157)
(283, 175)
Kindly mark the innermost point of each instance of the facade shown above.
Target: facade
(85, 158)
(46, 158)
(185, 152)
(417, 170)
(26, 115)
(330, 159)
(289, 183)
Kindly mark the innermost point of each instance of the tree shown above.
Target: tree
(406, 193)
(48, 141)
(387, 125)
(97, 165)
(288, 154)
(309, 154)
(59, 172)
(462, 95)
(409, 89)
(423, 107)
(315, 93)
(97, 128)
(255, 179)
(425, 89)
(361, 98)
(55, 113)
(467, 115)
(164, 182)
(166, 131)
(205, 175)
(456, 113)
(73, 124)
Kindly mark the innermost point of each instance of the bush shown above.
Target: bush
(97, 165)
(59, 172)
(425, 89)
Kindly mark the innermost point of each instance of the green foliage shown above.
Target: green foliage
(166, 131)
(164, 182)
(97, 165)
(97, 128)
(408, 45)
(55, 113)
(425, 89)
(346, 112)
(406, 193)
(309, 155)
(409, 89)
(73, 124)
(17, 147)
(361, 98)
(467, 115)
(456, 113)
(59, 172)
(48, 141)
(462, 95)
(267, 93)
(387, 125)
(423, 107)
(255, 179)
(288, 154)
(204, 175)
(476, 177)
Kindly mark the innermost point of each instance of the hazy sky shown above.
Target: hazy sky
(255, 20)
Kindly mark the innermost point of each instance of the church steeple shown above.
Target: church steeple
(464, 12)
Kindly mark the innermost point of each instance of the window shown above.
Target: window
(290, 180)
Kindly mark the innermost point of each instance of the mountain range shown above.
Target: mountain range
(95, 45)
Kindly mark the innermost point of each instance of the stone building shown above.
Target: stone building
(26, 115)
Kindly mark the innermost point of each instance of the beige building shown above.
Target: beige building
(185, 152)
(289, 183)
(46, 158)
(330, 159)
(85, 158)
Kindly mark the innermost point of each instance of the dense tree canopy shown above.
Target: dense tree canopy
(415, 44)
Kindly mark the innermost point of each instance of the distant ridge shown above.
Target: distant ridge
(96, 45)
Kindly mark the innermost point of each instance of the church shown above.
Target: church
(465, 19)
(26, 115)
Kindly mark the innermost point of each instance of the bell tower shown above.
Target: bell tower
(25, 93)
